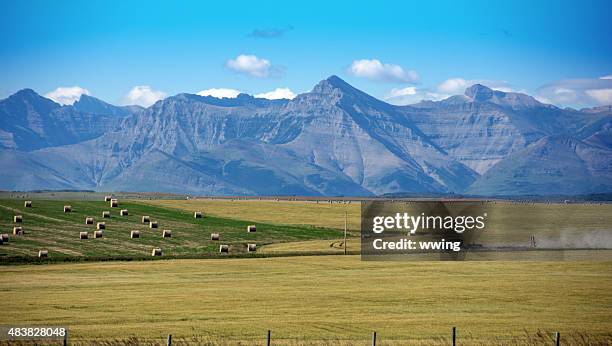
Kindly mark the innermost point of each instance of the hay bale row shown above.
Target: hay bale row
(106, 214)
(89, 220)
(27, 204)
(17, 219)
(98, 234)
(101, 225)
(123, 212)
(167, 233)
(43, 254)
(197, 215)
(135, 234)
(146, 219)
(67, 209)
(156, 252)
(83, 235)
(17, 230)
(251, 228)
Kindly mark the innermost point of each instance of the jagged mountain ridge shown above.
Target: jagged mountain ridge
(334, 140)
(29, 121)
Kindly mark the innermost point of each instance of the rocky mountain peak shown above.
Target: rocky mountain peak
(333, 84)
(479, 92)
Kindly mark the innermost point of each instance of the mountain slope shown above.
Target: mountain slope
(552, 165)
(484, 126)
(334, 140)
(29, 121)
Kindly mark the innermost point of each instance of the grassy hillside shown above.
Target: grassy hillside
(304, 300)
(48, 227)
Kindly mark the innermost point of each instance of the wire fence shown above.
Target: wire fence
(453, 338)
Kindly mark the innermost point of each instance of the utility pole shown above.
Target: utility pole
(345, 226)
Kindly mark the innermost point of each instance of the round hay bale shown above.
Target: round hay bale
(27, 204)
(17, 219)
(214, 236)
(114, 203)
(251, 228)
(146, 219)
(67, 209)
(1, 241)
(167, 233)
(83, 235)
(135, 234)
(123, 212)
(4, 237)
(224, 248)
(43, 254)
(101, 225)
(98, 234)
(106, 214)
(156, 252)
(107, 198)
(197, 214)
(17, 230)
(251, 247)
(153, 224)
(89, 220)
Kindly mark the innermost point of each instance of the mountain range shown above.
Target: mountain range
(333, 140)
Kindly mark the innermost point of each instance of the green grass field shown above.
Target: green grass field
(314, 300)
(46, 226)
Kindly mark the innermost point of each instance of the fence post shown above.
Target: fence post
(374, 339)
(169, 339)
(345, 226)
(454, 336)
(557, 338)
(269, 337)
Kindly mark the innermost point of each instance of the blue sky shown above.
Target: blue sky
(560, 51)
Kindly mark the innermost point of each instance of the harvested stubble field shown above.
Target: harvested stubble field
(313, 300)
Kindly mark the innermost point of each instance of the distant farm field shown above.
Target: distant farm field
(315, 300)
(315, 213)
(46, 226)
(283, 227)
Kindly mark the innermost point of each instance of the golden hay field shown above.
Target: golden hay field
(312, 300)
(322, 214)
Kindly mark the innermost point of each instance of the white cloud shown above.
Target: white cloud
(251, 65)
(402, 92)
(374, 69)
(583, 92)
(457, 86)
(220, 93)
(453, 86)
(143, 95)
(448, 88)
(278, 93)
(412, 95)
(67, 95)
(602, 96)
